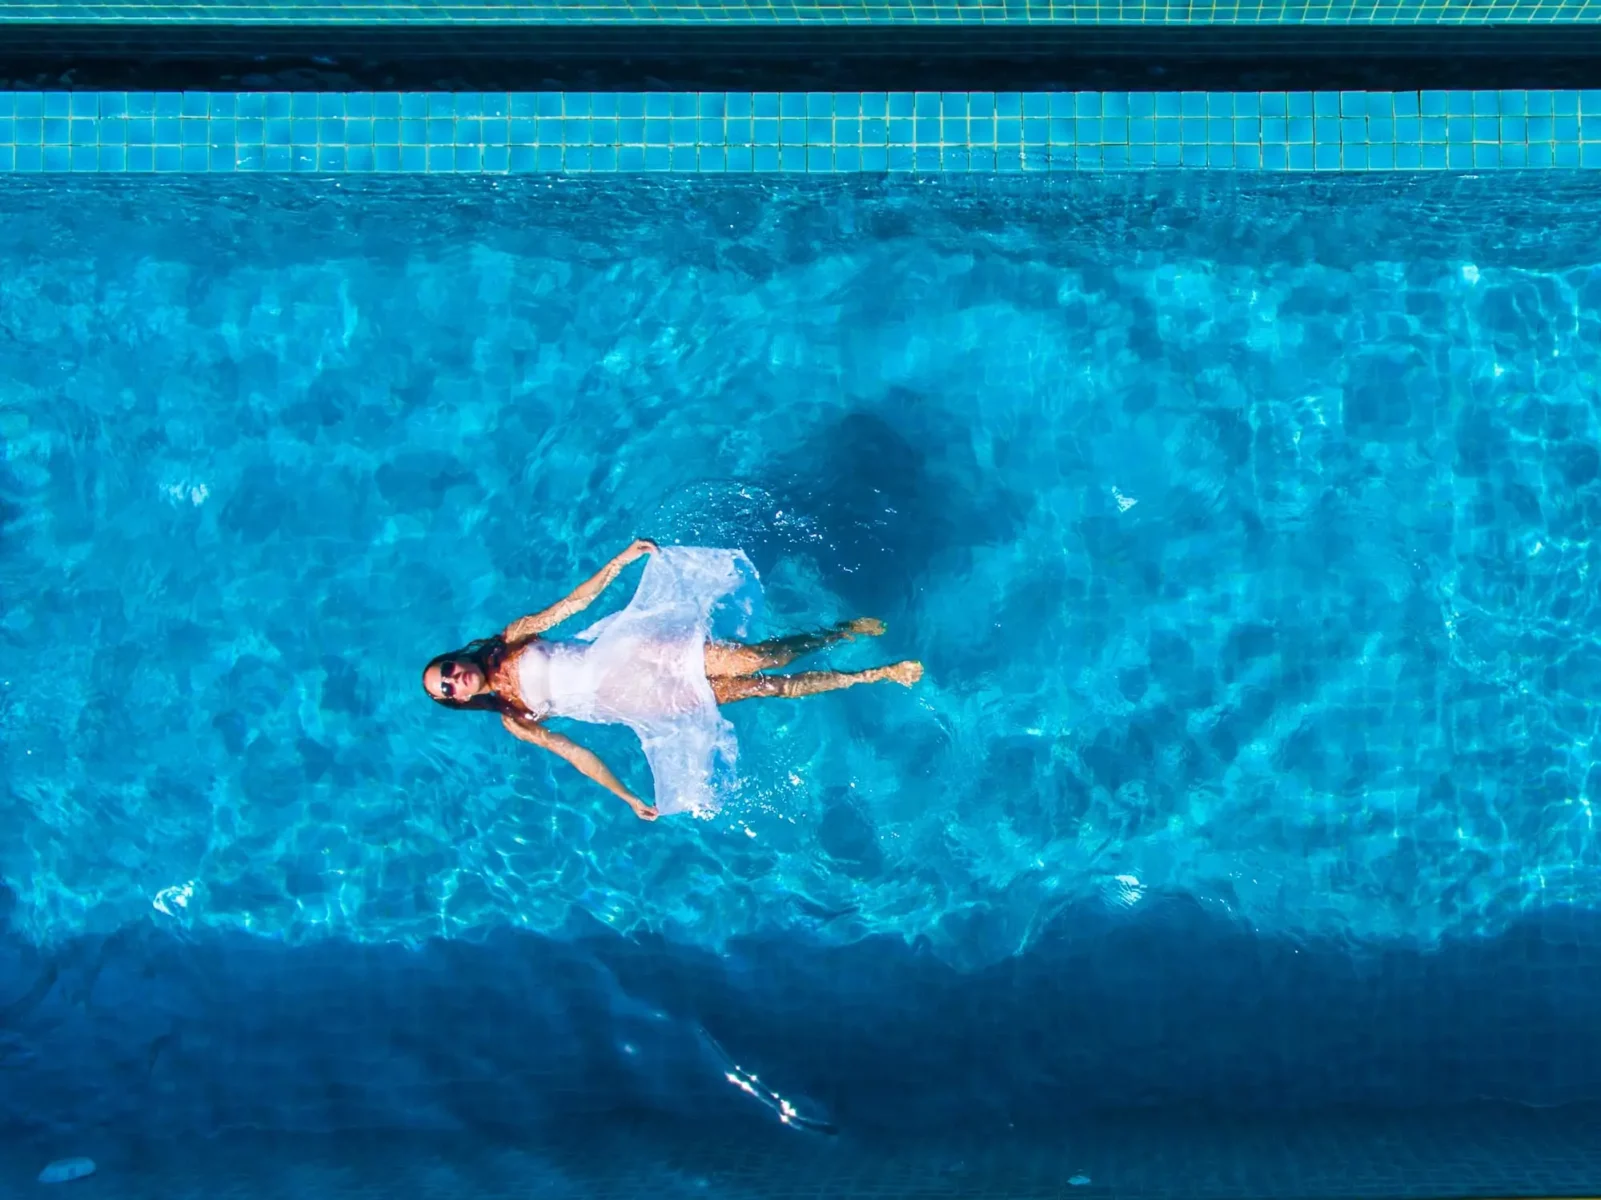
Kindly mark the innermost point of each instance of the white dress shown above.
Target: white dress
(645, 667)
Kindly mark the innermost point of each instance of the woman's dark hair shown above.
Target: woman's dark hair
(486, 655)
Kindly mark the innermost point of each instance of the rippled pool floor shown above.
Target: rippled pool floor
(1244, 526)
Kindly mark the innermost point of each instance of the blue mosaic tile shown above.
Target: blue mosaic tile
(1072, 12)
(821, 132)
(1381, 1155)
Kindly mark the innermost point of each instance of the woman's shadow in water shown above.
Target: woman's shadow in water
(885, 490)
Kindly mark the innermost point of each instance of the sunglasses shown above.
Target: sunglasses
(447, 671)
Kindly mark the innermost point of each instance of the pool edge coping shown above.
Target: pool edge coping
(572, 133)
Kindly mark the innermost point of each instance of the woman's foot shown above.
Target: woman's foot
(866, 626)
(904, 673)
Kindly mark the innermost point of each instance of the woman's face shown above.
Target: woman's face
(453, 680)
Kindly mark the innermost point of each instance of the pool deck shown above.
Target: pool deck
(961, 12)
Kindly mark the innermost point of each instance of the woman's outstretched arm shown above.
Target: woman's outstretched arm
(581, 598)
(587, 761)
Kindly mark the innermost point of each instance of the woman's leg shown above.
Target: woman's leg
(729, 689)
(733, 658)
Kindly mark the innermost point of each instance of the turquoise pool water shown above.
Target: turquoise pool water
(1245, 527)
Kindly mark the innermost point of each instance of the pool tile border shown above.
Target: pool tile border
(770, 12)
(572, 133)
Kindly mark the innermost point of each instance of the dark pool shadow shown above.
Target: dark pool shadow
(1170, 1007)
(1164, 1006)
(881, 493)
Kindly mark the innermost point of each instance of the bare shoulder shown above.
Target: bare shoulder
(504, 677)
(526, 629)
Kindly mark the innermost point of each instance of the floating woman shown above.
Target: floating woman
(653, 667)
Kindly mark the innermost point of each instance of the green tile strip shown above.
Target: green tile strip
(1070, 12)
(581, 133)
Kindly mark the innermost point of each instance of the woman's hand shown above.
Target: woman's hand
(580, 598)
(643, 811)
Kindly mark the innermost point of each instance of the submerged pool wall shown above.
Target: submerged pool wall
(1131, 1046)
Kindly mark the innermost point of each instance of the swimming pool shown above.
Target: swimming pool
(1244, 537)
(1243, 525)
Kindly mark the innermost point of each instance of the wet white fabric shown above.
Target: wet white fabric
(645, 667)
